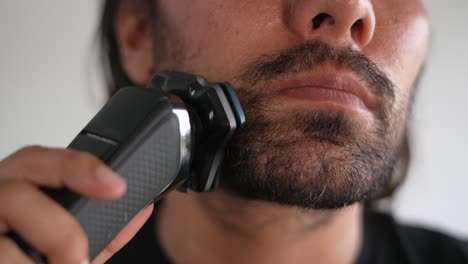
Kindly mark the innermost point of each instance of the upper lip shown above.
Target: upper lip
(343, 81)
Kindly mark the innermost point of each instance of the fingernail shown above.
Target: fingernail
(107, 177)
(84, 261)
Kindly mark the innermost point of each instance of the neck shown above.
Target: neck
(222, 228)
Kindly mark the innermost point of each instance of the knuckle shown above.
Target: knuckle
(13, 165)
(11, 191)
(28, 150)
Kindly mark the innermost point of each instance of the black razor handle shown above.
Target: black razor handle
(143, 147)
(138, 135)
(154, 146)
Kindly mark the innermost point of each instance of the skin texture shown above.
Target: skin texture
(220, 39)
(54, 232)
(269, 39)
(228, 40)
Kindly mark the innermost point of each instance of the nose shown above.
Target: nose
(337, 22)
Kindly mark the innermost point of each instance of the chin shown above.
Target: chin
(315, 160)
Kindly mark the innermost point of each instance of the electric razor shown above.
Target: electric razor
(169, 135)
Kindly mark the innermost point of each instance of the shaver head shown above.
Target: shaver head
(215, 115)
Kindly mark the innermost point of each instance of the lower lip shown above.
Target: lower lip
(325, 95)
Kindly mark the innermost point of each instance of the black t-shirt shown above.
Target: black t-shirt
(385, 242)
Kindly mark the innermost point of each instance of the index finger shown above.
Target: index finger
(79, 171)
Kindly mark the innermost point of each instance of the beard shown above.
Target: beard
(314, 158)
(311, 158)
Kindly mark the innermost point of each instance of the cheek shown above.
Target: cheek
(219, 36)
(399, 49)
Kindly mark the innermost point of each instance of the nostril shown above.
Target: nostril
(357, 28)
(318, 20)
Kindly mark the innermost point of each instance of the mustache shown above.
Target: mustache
(307, 56)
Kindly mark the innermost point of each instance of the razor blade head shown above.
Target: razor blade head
(215, 115)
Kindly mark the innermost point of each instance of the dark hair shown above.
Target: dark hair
(116, 77)
(114, 73)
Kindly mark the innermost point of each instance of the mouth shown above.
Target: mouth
(327, 88)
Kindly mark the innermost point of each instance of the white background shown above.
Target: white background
(50, 89)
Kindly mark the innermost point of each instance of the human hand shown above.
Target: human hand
(40, 220)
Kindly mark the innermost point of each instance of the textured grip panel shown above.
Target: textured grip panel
(149, 166)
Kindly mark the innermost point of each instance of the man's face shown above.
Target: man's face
(326, 86)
